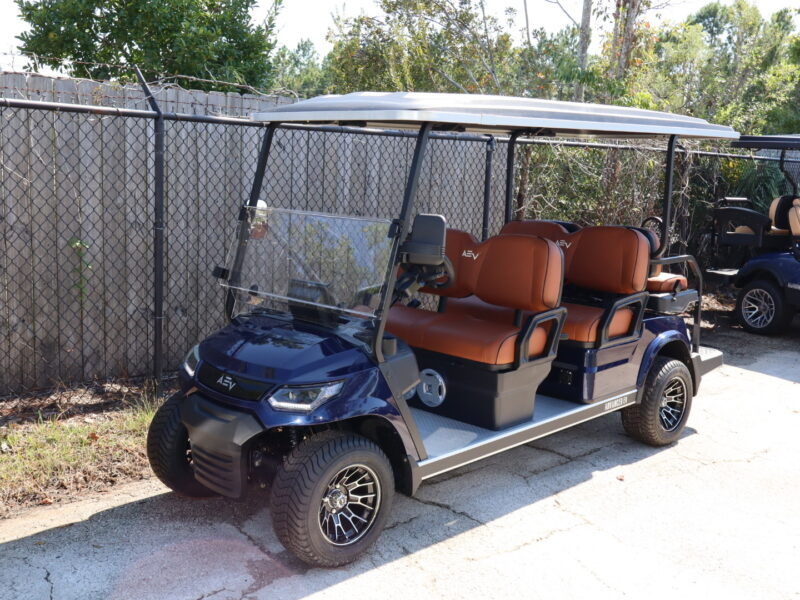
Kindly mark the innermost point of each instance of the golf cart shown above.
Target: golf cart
(369, 354)
(769, 278)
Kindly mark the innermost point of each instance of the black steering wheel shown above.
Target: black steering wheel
(653, 224)
(414, 277)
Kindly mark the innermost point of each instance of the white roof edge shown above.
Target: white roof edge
(493, 114)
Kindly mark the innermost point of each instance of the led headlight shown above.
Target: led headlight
(305, 398)
(191, 360)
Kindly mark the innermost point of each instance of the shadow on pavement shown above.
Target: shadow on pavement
(171, 547)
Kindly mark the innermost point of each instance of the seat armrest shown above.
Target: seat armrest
(558, 316)
(639, 301)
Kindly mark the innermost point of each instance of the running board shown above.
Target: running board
(488, 443)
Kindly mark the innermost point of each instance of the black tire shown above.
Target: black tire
(653, 422)
(761, 308)
(169, 453)
(301, 497)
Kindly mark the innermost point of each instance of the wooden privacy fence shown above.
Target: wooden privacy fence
(76, 218)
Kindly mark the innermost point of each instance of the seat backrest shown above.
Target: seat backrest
(611, 259)
(794, 217)
(551, 230)
(779, 212)
(523, 272)
(653, 242)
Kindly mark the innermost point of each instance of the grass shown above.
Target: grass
(47, 459)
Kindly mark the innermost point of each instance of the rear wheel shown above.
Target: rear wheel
(661, 416)
(169, 451)
(331, 498)
(761, 308)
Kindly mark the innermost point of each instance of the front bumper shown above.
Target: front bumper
(219, 436)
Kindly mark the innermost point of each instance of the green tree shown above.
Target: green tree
(300, 71)
(206, 39)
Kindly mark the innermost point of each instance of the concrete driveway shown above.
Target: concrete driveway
(586, 513)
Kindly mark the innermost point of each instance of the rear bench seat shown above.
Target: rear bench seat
(521, 275)
(659, 281)
(611, 261)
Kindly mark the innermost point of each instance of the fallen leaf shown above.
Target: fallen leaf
(93, 436)
(46, 501)
(5, 448)
(39, 543)
(621, 477)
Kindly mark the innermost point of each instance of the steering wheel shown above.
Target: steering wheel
(441, 277)
(653, 224)
(415, 277)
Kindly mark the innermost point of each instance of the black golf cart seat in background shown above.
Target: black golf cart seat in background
(516, 273)
(737, 226)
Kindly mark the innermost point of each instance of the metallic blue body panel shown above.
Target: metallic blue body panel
(282, 352)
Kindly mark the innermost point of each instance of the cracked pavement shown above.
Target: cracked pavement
(584, 513)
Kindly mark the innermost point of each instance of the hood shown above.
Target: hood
(281, 351)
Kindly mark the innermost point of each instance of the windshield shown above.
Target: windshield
(316, 266)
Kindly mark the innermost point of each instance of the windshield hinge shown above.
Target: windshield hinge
(394, 228)
(220, 272)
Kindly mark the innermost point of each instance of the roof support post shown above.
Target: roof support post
(243, 231)
(491, 145)
(512, 145)
(401, 232)
(786, 174)
(666, 215)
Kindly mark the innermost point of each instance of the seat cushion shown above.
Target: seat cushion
(461, 335)
(583, 322)
(665, 282)
(794, 217)
(475, 307)
(479, 340)
(409, 324)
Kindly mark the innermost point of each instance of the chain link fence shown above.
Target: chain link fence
(77, 267)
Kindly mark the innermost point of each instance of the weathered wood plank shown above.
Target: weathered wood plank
(67, 197)
(22, 341)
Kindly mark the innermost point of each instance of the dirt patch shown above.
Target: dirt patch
(59, 446)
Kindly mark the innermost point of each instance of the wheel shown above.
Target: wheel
(761, 308)
(331, 498)
(661, 416)
(169, 452)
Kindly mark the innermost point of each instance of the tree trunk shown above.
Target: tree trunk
(583, 46)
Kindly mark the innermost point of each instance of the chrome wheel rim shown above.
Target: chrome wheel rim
(673, 405)
(349, 505)
(758, 308)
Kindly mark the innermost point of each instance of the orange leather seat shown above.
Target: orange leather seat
(794, 217)
(512, 273)
(583, 322)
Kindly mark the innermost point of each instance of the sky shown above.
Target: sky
(300, 19)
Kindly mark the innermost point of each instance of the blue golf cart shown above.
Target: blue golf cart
(769, 276)
(366, 354)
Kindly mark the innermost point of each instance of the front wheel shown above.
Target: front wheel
(331, 498)
(761, 308)
(661, 416)
(170, 453)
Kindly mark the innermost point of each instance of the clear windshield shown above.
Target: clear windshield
(311, 264)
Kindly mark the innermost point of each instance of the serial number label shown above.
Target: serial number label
(616, 403)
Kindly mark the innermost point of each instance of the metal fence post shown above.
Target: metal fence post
(158, 237)
(491, 145)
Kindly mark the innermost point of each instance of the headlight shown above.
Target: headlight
(303, 399)
(191, 360)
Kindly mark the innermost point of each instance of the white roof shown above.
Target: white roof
(504, 114)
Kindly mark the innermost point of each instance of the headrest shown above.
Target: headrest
(609, 258)
(523, 272)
